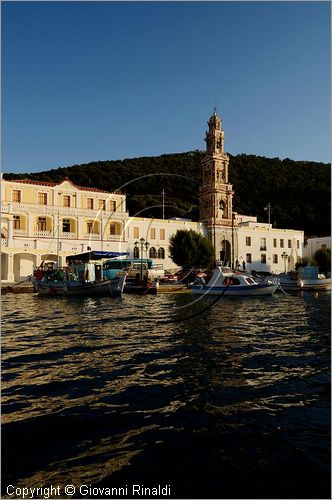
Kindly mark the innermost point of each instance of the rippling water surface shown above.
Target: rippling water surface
(218, 400)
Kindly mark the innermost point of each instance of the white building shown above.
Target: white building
(48, 221)
(314, 244)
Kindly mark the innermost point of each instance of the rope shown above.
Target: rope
(24, 281)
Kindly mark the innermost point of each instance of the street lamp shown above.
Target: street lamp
(141, 245)
(284, 257)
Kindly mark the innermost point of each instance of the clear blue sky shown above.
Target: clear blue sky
(85, 81)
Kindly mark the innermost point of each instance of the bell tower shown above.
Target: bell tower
(216, 193)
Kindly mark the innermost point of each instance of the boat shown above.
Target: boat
(289, 281)
(306, 278)
(225, 282)
(311, 279)
(83, 276)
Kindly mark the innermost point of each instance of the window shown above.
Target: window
(152, 253)
(231, 281)
(263, 243)
(41, 224)
(66, 200)
(113, 206)
(112, 229)
(289, 243)
(297, 243)
(248, 258)
(281, 243)
(162, 234)
(42, 198)
(275, 242)
(66, 226)
(275, 259)
(102, 204)
(152, 233)
(89, 203)
(248, 241)
(89, 226)
(263, 258)
(161, 253)
(17, 222)
(136, 232)
(136, 253)
(17, 195)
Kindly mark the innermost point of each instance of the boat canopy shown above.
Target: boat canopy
(93, 255)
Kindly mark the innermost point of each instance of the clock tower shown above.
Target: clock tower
(216, 193)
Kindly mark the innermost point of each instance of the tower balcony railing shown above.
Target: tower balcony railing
(4, 242)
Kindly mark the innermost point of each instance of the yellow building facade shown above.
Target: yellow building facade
(47, 221)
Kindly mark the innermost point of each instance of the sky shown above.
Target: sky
(89, 81)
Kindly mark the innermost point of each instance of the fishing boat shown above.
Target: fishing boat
(234, 284)
(311, 279)
(289, 281)
(83, 276)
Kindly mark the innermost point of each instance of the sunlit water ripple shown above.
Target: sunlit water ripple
(218, 400)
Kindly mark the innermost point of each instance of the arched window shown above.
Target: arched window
(161, 253)
(152, 253)
(136, 253)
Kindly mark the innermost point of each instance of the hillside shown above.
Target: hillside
(299, 191)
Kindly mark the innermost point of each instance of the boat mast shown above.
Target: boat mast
(163, 204)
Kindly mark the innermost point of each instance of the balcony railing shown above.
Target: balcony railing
(92, 236)
(31, 208)
(68, 235)
(263, 248)
(20, 232)
(43, 234)
(4, 242)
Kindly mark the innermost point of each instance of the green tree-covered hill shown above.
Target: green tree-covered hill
(298, 191)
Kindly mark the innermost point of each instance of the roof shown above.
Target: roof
(53, 184)
(93, 255)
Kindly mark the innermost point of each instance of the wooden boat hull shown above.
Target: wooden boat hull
(107, 287)
(235, 291)
(319, 284)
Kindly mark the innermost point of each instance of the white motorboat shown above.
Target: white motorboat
(234, 284)
(311, 279)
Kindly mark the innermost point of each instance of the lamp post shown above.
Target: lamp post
(141, 245)
(284, 257)
(232, 255)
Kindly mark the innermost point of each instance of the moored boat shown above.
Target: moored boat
(289, 281)
(233, 284)
(311, 279)
(82, 277)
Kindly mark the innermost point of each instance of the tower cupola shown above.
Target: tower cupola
(215, 135)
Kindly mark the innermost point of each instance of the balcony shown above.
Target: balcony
(4, 242)
(263, 248)
(68, 235)
(55, 211)
(19, 232)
